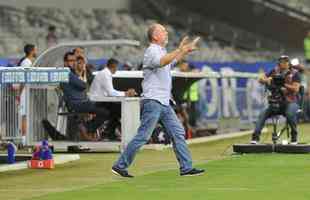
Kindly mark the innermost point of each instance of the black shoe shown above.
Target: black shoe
(121, 172)
(255, 139)
(193, 172)
(294, 139)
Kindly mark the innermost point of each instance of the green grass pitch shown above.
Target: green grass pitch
(258, 176)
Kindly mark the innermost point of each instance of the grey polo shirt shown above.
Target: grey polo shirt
(157, 82)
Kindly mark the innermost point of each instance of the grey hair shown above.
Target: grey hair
(150, 31)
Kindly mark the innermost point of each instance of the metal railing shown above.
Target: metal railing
(9, 106)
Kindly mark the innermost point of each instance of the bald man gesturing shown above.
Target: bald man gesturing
(157, 85)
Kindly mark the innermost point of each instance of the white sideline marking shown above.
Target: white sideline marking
(92, 189)
(199, 140)
(58, 159)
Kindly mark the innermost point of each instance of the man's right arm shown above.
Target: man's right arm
(184, 48)
(265, 78)
(175, 55)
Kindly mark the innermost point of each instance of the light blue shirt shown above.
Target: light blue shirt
(157, 82)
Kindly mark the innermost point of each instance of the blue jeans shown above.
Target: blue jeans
(152, 112)
(290, 112)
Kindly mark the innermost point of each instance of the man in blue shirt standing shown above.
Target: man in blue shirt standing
(157, 85)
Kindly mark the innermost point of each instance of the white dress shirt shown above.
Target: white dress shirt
(102, 86)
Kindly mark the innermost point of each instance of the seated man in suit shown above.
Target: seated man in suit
(75, 94)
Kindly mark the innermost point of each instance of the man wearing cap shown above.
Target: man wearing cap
(290, 92)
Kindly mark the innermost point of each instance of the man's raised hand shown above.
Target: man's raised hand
(192, 46)
(184, 42)
(187, 46)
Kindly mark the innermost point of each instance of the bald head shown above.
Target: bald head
(158, 34)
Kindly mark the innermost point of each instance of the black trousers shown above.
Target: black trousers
(289, 111)
(102, 114)
(114, 109)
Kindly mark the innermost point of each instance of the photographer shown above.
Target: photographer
(283, 82)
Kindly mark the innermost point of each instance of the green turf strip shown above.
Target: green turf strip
(240, 177)
(157, 176)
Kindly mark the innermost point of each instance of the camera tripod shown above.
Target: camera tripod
(278, 132)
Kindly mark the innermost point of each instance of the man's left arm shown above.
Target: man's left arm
(295, 85)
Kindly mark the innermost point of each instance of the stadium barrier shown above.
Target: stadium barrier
(33, 81)
(224, 94)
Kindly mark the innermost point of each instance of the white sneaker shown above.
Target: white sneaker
(253, 142)
(293, 143)
(284, 142)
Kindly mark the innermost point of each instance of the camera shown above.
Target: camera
(278, 80)
(276, 98)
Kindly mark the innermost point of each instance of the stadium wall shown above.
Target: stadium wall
(253, 17)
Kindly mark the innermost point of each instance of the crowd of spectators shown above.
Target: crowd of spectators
(34, 25)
